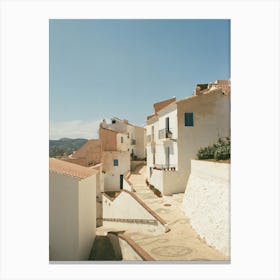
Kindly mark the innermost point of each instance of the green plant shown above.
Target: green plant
(206, 153)
(219, 151)
(222, 153)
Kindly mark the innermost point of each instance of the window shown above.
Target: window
(116, 162)
(188, 119)
(121, 139)
(113, 121)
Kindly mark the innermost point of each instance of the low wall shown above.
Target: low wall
(132, 251)
(126, 212)
(156, 179)
(206, 202)
(127, 185)
(168, 182)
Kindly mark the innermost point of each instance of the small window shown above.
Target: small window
(116, 162)
(188, 119)
(121, 139)
(113, 121)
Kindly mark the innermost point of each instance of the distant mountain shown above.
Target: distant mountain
(65, 146)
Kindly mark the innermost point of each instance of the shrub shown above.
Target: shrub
(206, 153)
(222, 153)
(219, 151)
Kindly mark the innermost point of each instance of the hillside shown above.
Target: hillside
(64, 146)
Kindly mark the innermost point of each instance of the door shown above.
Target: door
(121, 181)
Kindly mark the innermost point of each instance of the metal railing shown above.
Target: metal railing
(164, 133)
(164, 167)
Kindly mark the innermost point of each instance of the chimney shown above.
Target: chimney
(197, 90)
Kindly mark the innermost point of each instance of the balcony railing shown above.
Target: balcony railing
(164, 167)
(164, 133)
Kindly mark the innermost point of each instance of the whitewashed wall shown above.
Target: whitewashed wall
(211, 114)
(167, 182)
(206, 202)
(112, 173)
(127, 186)
(87, 216)
(173, 123)
(140, 137)
(157, 179)
(124, 206)
(63, 217)
(160, 154)
(72, 217)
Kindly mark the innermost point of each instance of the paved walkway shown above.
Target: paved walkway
(181, 242)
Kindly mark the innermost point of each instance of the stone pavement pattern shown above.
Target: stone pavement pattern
(181, 243)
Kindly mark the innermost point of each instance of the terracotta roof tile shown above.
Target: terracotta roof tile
(71, 169)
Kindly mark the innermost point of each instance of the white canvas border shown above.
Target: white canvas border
(255, 137)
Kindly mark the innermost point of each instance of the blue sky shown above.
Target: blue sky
(105, 68)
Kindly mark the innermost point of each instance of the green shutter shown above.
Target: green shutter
(188, 119)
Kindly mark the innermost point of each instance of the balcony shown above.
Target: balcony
(164, 134)
(164, 167)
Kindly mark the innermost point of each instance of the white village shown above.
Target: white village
(155, 193)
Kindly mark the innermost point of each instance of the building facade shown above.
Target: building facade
(133, 136)
(178, 129)
(115, 157)
(72, 210)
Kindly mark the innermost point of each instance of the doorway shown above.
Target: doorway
(121, 181)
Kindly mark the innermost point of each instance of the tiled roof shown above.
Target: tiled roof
(71, 169)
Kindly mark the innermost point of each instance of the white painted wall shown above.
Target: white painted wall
(124, 206)
(167, 182)
(112, 173)
(87, 216)
(211, 121)
(127, 186)
(63, 217)
(172, 114)
(157, 179)
(206, 202)
(72, 217)
(140, 137)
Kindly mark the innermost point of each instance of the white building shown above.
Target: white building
(115, 157)
(177, 129)
(120, 141)
(72, 210)
(133, 136)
